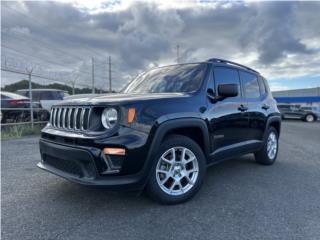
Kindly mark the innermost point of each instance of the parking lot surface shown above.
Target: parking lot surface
(239, 199)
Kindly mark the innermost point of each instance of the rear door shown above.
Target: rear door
(296, 111)
(228, 117)
(256, 97)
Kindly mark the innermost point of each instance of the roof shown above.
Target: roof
(42, 89)
(13, 95)
(308, 99)
(223, 61)
(301, 92)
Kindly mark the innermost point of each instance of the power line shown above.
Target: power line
(46, 46)
(45, 60)
(110, 84)
(56, 49)
(93, 89)
(52, 48)
(34, 20)
(178, 54)
(38, 75)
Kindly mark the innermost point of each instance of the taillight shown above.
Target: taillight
(15, 102)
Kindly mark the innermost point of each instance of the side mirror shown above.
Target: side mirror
(211, 95)
(228, 90)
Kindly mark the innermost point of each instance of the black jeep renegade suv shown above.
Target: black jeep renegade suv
(165, 128)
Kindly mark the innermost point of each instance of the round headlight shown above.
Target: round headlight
(109, 118)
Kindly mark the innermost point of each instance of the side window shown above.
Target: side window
(46, 95)
(250, 85)
(36, 96)
(4, 97)
(57, 95)
(283, 107)
(223, 75)
(266, 85)
(23, 93)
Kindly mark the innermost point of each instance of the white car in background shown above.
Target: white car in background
(46, 97)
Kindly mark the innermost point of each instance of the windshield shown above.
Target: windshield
(177, 78)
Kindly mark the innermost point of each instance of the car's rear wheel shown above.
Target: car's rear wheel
(309, 118)
(178, 172)
(269, 152)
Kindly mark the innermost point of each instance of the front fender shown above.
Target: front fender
(159, 131)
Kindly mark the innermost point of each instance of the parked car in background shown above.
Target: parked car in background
(13, 105)
(46, 97)
(314, 109)
(10, 102)
(289, 111)
(85, 95)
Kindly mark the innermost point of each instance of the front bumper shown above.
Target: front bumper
(82, 164)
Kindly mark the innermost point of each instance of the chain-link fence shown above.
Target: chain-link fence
(22, 107)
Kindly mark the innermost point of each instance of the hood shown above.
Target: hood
(121, 98)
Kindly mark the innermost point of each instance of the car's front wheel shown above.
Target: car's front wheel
(178, 172)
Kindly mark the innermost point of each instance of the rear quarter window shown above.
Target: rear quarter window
(4, 97)
(263, 89)
(250, 84)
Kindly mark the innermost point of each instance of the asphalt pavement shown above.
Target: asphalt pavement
(239, 199)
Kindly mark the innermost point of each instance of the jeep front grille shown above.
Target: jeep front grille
(71, 118)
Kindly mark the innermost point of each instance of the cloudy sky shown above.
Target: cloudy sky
(59, 39)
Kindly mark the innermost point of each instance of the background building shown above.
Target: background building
(305, 96)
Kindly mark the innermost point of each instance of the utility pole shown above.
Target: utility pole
(110, 83)
(178, 57)
(30, 97)
(92, 62)
(73, 86)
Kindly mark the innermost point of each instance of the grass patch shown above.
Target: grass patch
(18, 131)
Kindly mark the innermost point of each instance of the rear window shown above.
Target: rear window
(43, 95)
(283, 107)
(51, 95)
(9, 95)
(23, 93)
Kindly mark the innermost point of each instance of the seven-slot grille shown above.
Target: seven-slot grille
(71, 118)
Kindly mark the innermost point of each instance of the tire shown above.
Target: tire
(266, 156)
(309, 118)
(172, 180)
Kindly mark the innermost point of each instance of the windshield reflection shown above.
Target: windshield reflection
(176, 78)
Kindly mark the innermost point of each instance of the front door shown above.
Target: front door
(228, 118)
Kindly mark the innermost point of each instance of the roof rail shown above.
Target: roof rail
(218, 60)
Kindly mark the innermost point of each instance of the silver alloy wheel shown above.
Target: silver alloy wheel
(272, 145)
(309, 118)
(177, 171)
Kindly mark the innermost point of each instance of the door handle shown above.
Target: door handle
(242, 108)
(265, 106)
